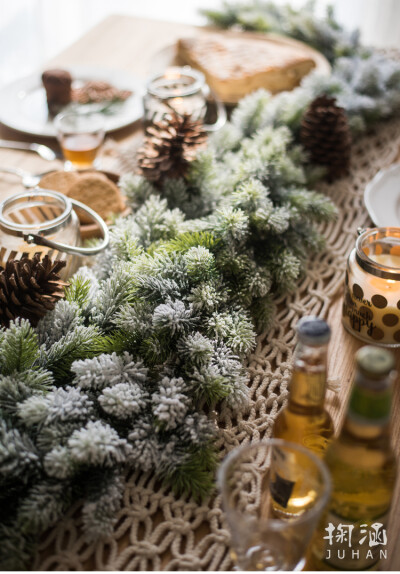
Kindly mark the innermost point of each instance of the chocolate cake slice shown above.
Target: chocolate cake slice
(57, 84)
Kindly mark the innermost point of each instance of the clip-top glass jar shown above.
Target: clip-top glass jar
(45, 218)
(371, 306)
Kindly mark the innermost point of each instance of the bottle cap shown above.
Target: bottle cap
(313, 331)
(375, 362)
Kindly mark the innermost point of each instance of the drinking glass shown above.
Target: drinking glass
(273, 493)
(81, 136)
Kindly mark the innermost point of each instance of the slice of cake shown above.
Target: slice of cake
(57, 84)
(235, 66)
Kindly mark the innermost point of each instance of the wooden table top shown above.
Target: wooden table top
(132, 44)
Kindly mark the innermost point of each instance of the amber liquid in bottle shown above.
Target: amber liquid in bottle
(363, 470)
(304, 420)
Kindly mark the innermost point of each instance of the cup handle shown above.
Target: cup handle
(71, 249)
(221, 112)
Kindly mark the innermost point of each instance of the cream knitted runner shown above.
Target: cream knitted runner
(155, 530)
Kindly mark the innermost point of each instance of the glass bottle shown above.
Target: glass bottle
(352, 533)
(304, 420)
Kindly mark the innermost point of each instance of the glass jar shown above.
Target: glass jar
(371, 306)
(45, 218)
(182, 90)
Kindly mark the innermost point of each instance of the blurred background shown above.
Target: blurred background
(33, 31)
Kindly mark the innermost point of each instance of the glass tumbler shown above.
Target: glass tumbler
(81, 136)
(273, 493)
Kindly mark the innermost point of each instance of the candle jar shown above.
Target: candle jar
(371, 306)
(45, 218)
(184, 91)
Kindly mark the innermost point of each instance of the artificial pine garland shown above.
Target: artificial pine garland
(364, 81)
(123, 373)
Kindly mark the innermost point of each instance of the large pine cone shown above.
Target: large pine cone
(325, 134)
(169, 147)
(29, 288)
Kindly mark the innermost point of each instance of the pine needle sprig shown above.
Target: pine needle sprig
(194, 476)
(78, 291)
(19, 347)
(81, 343)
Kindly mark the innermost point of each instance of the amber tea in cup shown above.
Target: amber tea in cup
(81, 136)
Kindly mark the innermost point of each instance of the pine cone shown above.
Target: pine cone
(325, 134)
(29, 288)
(169, 146)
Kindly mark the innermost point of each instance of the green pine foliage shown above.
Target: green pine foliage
(325, 35)
(19, 348)
(124, 373)
(365, 82)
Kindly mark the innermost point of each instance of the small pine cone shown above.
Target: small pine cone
(29, 288)
(169, 147)
(325, 134)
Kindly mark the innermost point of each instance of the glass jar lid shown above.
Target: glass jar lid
(378, 252)
(176, 82)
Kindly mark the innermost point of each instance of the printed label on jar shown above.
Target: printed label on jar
(354, 545)
(373, 320)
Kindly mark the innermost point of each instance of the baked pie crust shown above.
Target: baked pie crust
(234, 66)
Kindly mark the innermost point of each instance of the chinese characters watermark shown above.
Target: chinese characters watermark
(348, 536)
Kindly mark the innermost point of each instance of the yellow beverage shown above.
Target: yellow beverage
(304, 420)
(81, 149)
(352, 533)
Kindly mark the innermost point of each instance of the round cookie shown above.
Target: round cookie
(100, 194)
(86, 172)
(59, 181)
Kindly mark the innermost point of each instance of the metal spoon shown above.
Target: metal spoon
(44, 151)
(28, 179)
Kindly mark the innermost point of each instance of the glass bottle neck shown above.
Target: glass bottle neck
(368, 412)
(308, 382)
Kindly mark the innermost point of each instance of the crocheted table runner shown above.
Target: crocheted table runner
(157, 531)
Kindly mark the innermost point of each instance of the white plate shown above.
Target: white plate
(382, 197)
(23, 104)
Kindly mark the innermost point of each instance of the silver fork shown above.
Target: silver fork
(28, 179)
(44, 151)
